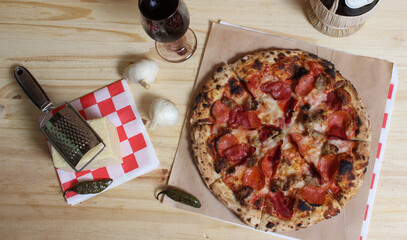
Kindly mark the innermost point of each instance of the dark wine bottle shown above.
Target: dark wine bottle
(351, 7)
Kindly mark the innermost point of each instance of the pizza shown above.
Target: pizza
(280, 138)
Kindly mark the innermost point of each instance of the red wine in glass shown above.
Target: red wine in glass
(167, 22)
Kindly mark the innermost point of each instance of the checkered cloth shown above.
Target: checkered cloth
(116, 103)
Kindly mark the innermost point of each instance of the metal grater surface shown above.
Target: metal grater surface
(66, 130)
(70, 134)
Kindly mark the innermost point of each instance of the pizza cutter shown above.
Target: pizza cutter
(64, 127)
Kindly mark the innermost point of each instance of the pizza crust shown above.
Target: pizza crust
(352, 170)
(223, 82)
(259, 61)
(249, 215)
(304, 215)
(203, 158)
(362, 123)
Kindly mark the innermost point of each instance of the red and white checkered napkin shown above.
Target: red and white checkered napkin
(116, 103)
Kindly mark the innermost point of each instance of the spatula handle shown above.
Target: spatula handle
(32, 88)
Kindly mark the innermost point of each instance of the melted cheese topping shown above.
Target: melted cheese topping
(299, 184)
(343, 145)
(235, 180)
(314, 151)
(297, 165)
(267, 145)
(316, 98)
(318, 125)
(245, 136)
(269, 111)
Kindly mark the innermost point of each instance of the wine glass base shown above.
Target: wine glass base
(180, 50)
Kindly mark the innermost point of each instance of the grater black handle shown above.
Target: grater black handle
(32, 88)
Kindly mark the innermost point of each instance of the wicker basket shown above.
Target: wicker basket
(328, 22)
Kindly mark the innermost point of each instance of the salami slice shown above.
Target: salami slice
(226, 142)
(221, 112)
(314, 195)
(238, 153)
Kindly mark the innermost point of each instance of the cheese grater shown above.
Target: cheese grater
(64, 127)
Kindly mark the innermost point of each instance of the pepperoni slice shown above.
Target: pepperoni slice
(344, 95)
(267, 167)
(278, 90)
(337, 132)
(237, 154)
(333, 101)
(247, 119)
(338, 122)
(253, 121)
(253, 177)
(267, 132)
(284, 105)
(287, 107)
(305, 85)
(270, 163)
(253, 86)
(225, 142)
(292, 83)
(280, 206)
(340, 119)
(314, 195)
(328, 166)
(220, 111)
(297, 138)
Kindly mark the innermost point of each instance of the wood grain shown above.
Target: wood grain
(74, 47)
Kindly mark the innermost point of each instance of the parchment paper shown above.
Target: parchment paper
(371, 77)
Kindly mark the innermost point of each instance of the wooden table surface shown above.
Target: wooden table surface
(74, 47)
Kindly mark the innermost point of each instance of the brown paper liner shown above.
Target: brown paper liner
(370, 76)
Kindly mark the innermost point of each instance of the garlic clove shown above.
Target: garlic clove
(163, 113)
(143, 72)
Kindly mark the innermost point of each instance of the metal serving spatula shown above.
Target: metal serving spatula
(66, 130)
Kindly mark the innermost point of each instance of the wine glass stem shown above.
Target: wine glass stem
(177, 46)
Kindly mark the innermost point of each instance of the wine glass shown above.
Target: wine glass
(167, 22)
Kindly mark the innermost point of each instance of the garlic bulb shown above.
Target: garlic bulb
(143, 72)
(163, 113)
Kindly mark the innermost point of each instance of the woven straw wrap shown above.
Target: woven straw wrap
(328, 22)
